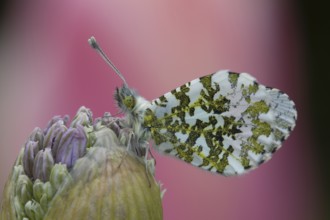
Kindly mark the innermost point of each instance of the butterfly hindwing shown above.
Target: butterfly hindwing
(224, 122)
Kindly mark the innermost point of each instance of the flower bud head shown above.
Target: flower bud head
(85, 171)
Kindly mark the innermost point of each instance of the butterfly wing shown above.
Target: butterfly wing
(224, 122)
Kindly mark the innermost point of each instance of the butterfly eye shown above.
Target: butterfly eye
(129, 102)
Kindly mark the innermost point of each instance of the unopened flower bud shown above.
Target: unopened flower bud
(42, 193)
(37, 190)
(37, 136)
(43, 164)
(33, 210)
(83, 117)
(111, 122)
(54, 120)
(72, 146)
(17, 171)
(19, 210)
(54, 133)
(30, 151)
(58, 175)
(55, 137)
(24, 189)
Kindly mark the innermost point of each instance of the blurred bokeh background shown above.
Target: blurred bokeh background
(47, 68)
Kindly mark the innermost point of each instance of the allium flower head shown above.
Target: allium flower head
(88, 170)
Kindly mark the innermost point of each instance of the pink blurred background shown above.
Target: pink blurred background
(47, 68)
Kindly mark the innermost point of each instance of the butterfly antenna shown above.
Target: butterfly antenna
(95, 45)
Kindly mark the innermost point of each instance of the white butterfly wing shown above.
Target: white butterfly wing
(224, 122)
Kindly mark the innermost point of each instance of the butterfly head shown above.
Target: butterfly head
(126, 98)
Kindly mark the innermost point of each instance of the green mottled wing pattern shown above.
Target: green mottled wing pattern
(224, 122)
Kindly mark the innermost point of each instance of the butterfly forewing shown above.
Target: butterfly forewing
(224, 122)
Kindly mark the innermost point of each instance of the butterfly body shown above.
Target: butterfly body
(223, 122)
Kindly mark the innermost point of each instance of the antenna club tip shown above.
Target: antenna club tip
(92, 42)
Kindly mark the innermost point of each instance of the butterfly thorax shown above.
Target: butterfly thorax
(134, 107)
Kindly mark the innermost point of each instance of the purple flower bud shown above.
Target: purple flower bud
(56, 138)
(54, 133)
(111, 122)
(51, 122)
(107, 118)
(30, 151)
(97, 120)
(72, 146)
(37, 136)
(83, 117)
(43, 164)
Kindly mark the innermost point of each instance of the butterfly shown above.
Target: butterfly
(225, 122)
